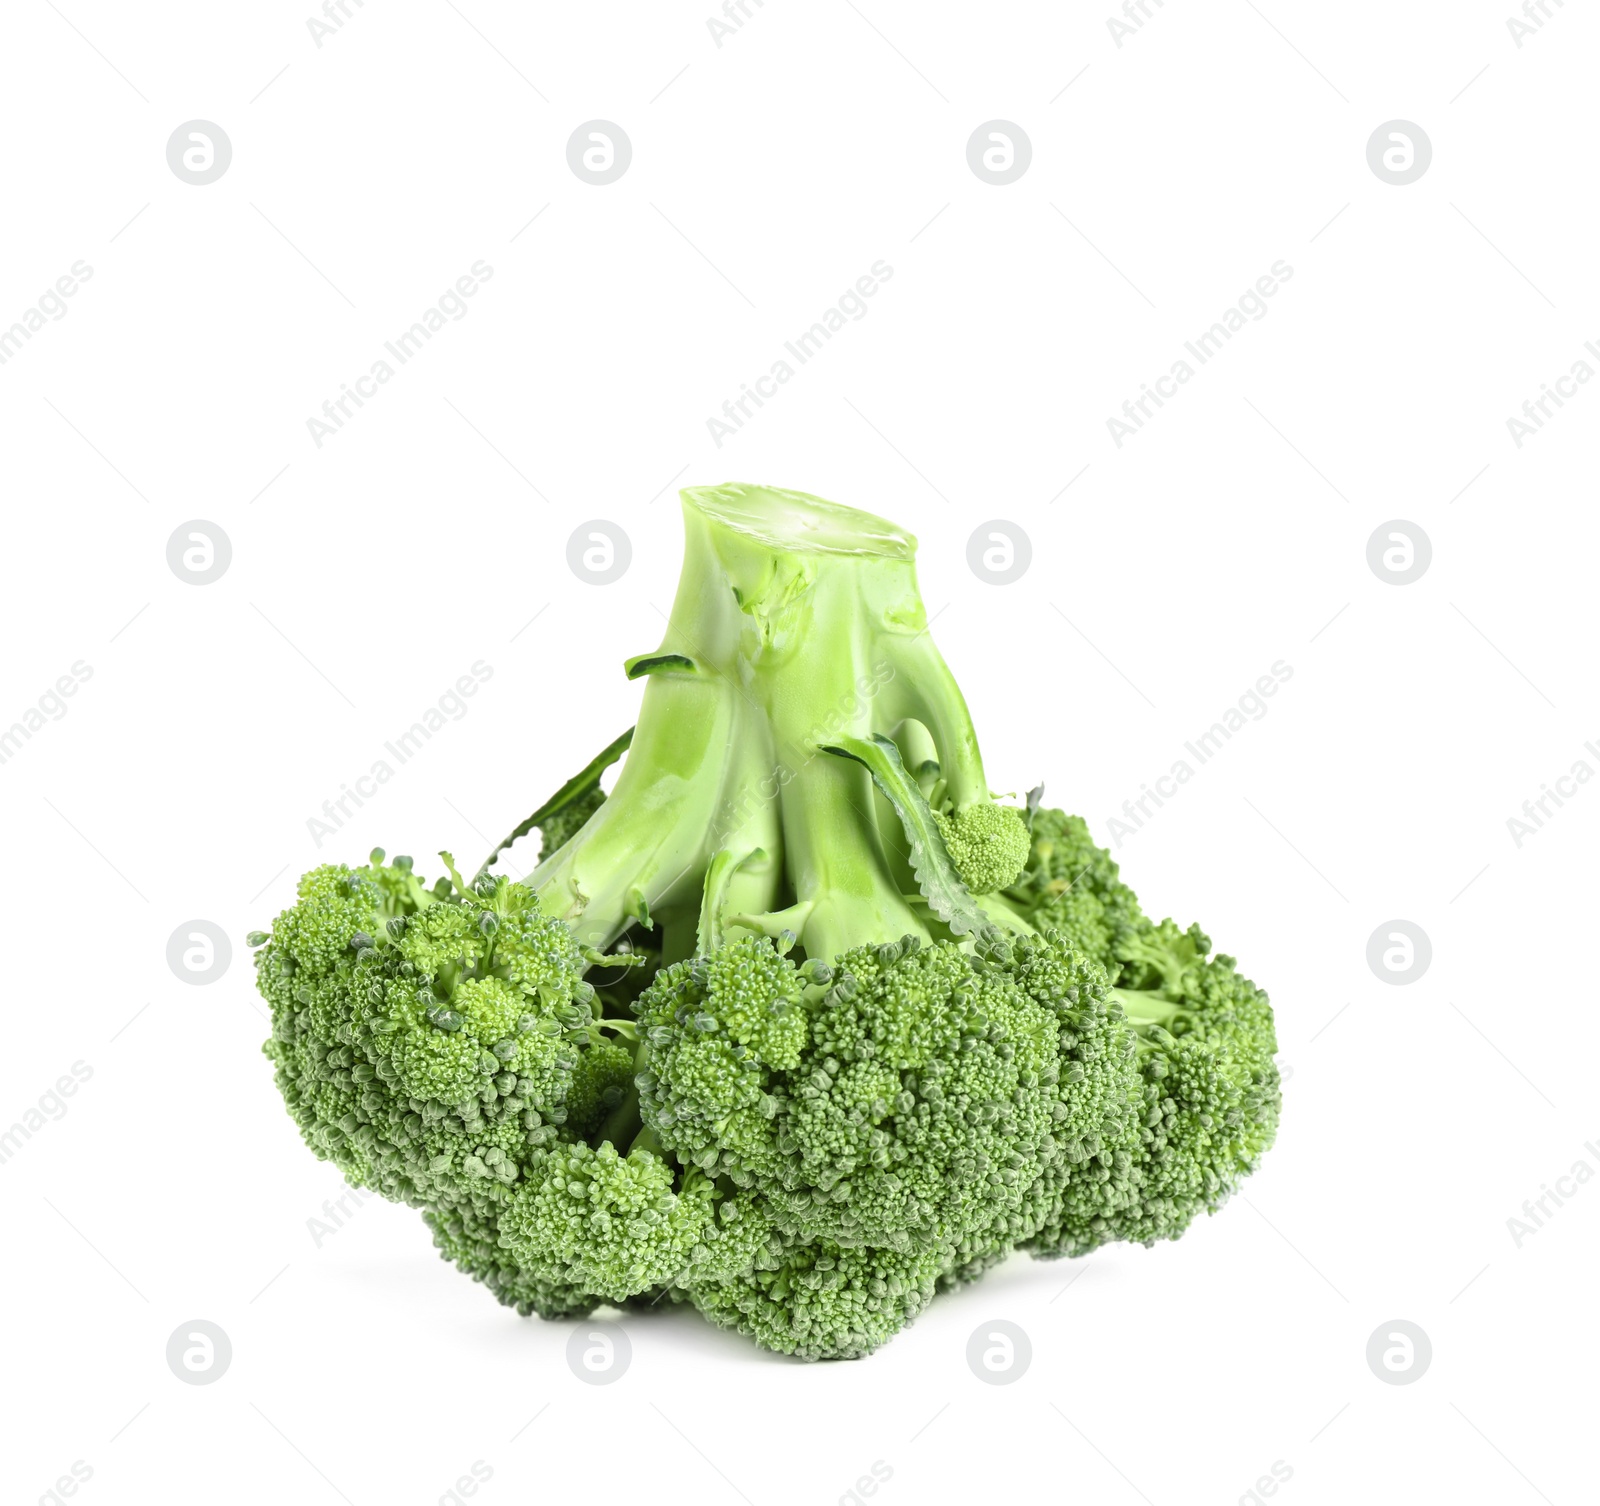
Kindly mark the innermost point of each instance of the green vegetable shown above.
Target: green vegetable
(798, 1025)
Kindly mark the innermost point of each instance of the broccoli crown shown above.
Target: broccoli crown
(796, 1025)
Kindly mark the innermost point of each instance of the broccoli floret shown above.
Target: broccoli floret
(798, 1025)
(989, 844)
(1206, 1048)
(611, 1223)
(601, 1084)
(921, 1111)
(431, 1045)
(820, 1301)
(1071, 885)
(559, 827)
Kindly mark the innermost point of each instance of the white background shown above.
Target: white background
(368, 574)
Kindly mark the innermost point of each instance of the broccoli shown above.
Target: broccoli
(799, 1024)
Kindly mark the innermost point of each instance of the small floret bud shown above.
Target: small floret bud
(360, 941)
(375, 857)
(255, 938)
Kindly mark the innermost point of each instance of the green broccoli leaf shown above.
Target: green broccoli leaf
(579, 787)
(936, 874)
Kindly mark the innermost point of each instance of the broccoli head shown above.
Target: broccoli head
(798, 1024)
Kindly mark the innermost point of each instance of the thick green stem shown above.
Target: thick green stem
(1144, 1008)
(796, 622)
(926, 691)
(838, 863)
(650, 834)
(623, 1125)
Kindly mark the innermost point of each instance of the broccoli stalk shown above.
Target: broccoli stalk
(798, 626)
